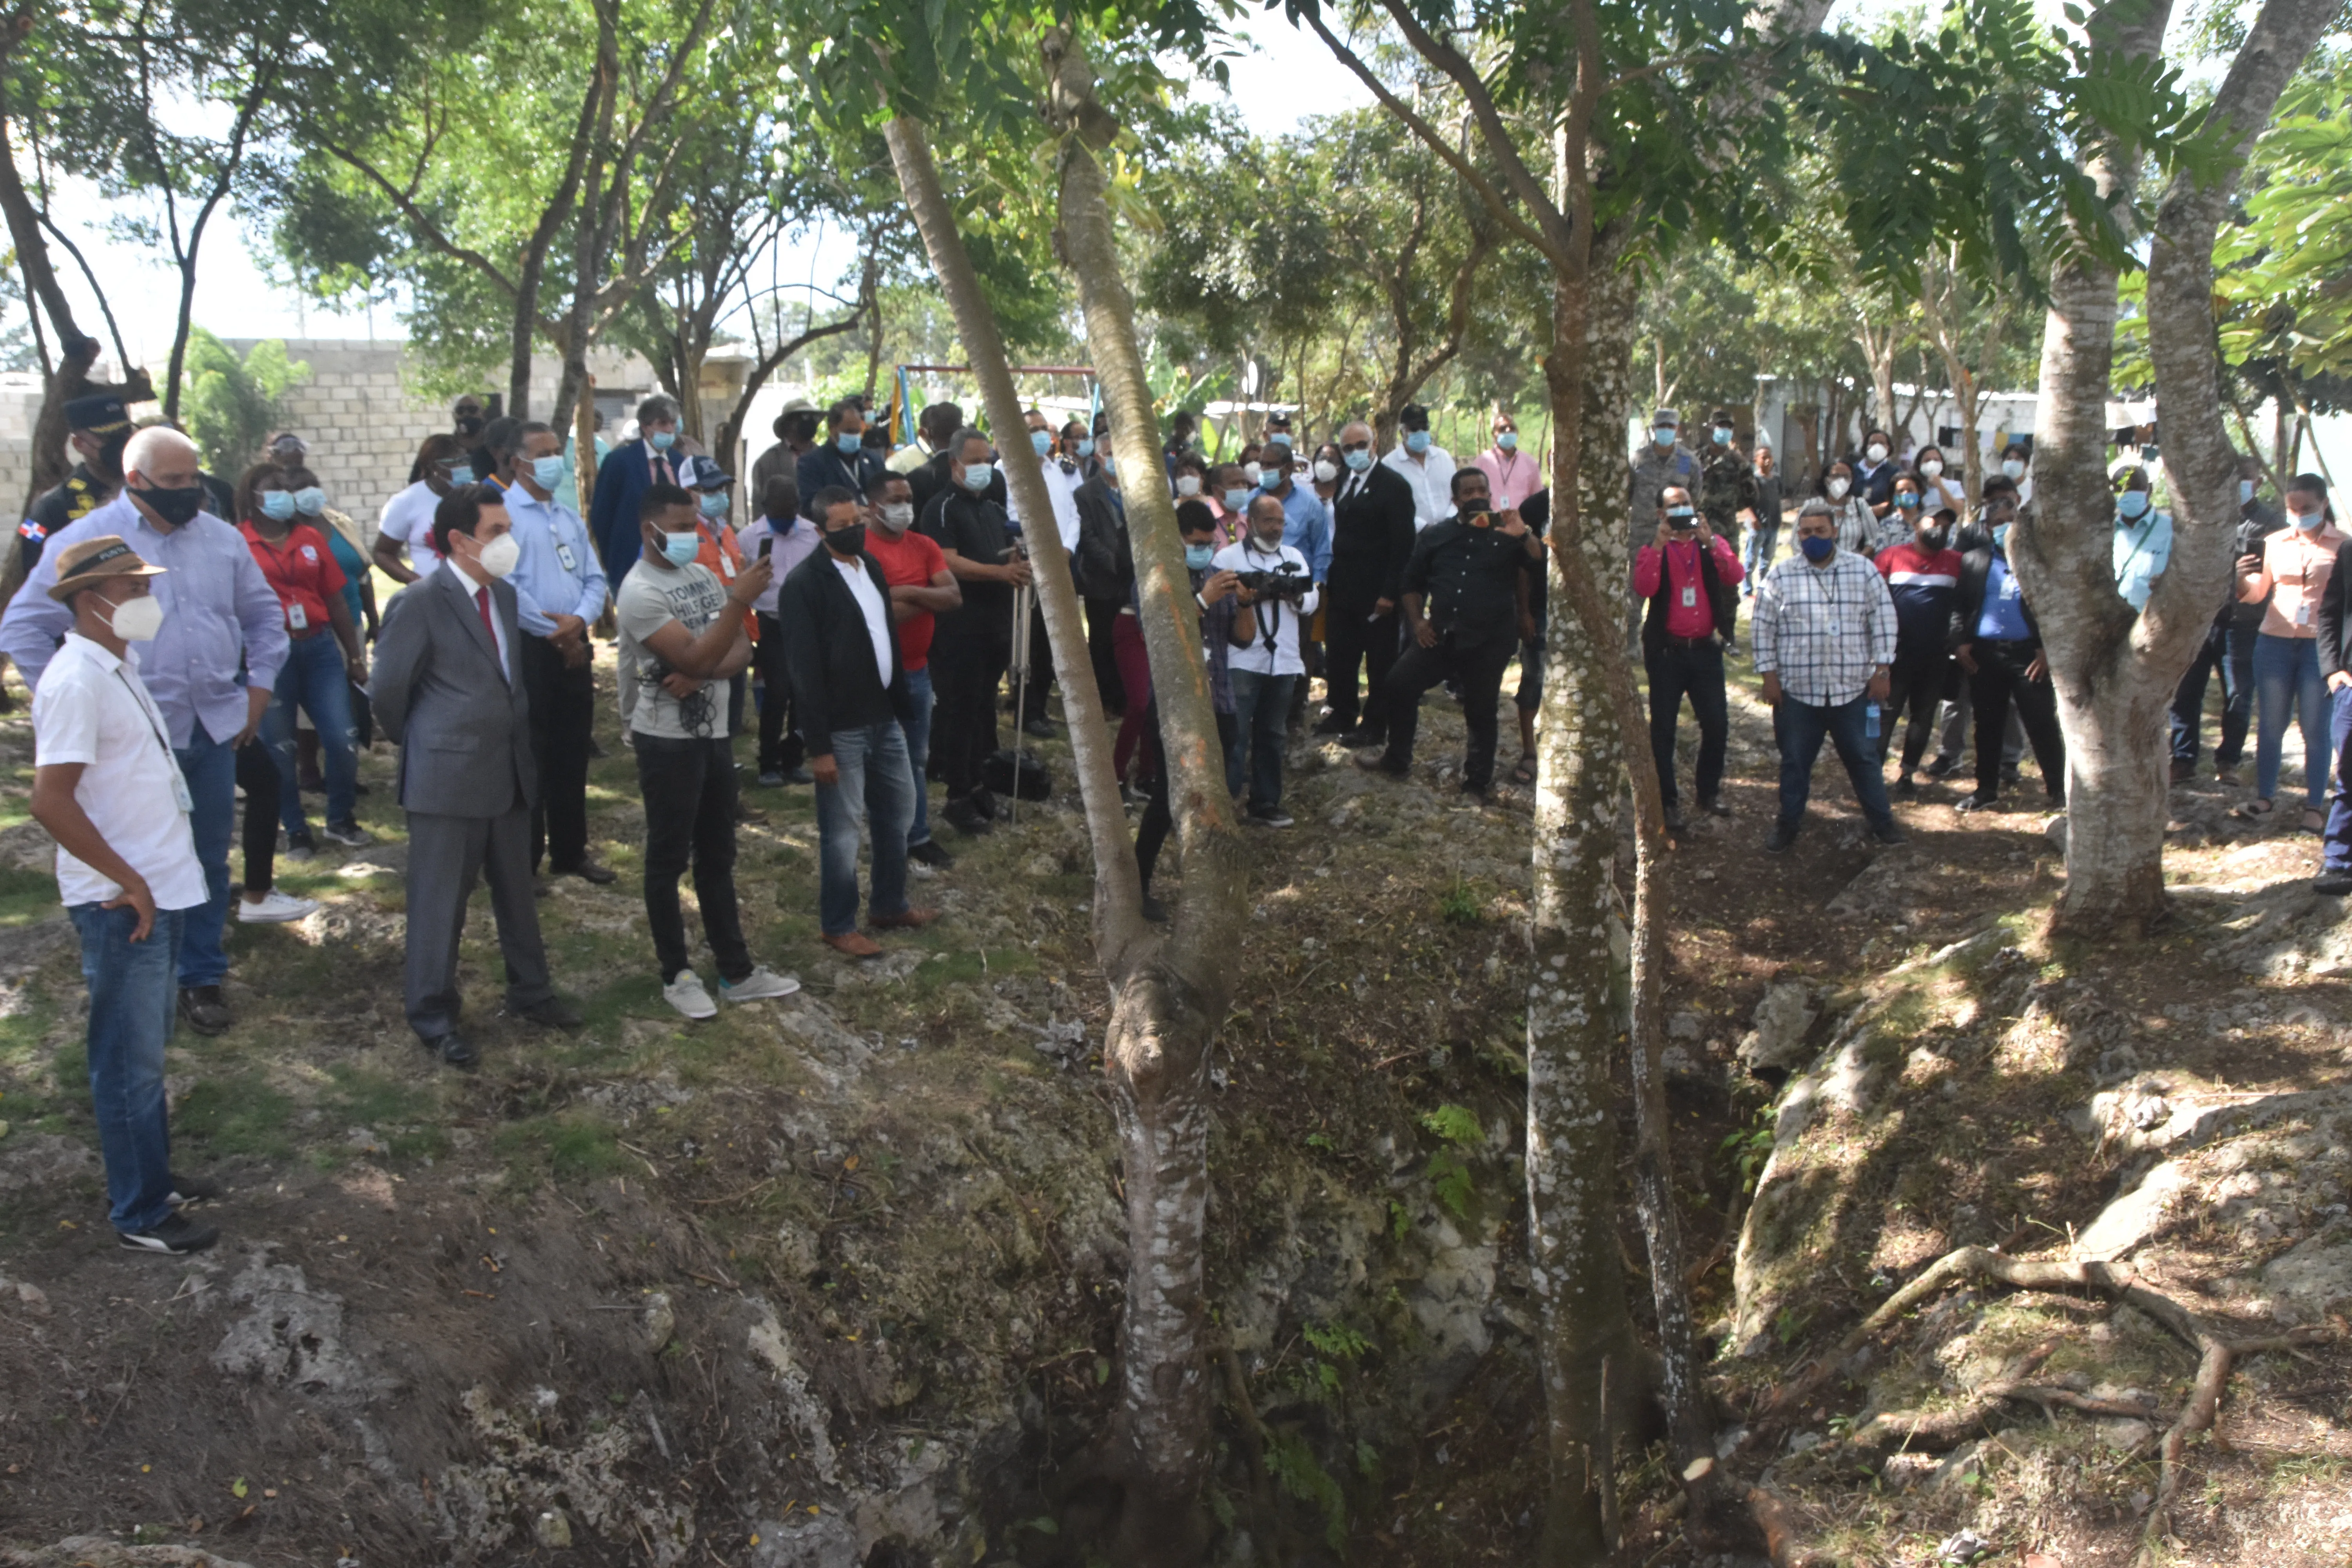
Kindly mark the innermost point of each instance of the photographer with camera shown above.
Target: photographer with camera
(1464, 596)
(1277, 591)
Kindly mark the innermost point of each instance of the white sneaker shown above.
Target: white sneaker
(685, 993)
(761, 983)
(274, 908)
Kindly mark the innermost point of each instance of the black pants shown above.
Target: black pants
(781, 747)
(1693, 670)
(1352, 635)
(1152, 828)
(690, 794)
(257, 774)
(1041, 665)
(1102, 615)
(1477, 669)
(1917, 688)
(563, 723)
(1999, 682)
(965, 674)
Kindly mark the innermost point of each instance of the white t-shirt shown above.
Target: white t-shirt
(91, 708)
(408, 517)
(1061, 488)
(652, 595)
(1431, 479)
(1275, 649)
(869, 601)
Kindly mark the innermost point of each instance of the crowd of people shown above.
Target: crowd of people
(873, 618)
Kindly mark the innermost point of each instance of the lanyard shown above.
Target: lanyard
(152, 728)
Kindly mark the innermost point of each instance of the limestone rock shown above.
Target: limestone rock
(1783, 1018)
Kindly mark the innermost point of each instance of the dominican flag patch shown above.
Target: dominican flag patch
(32, 530)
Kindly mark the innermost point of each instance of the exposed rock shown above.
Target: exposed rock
(42, 1158)
(100, 1551)
(2311, 1279)
(1783, 1018)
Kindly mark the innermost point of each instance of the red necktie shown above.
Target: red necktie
(482, 602)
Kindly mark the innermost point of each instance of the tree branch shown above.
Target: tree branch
(427, 229)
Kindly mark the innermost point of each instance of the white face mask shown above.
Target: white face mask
(1931, 468)
(1838, 488)
(500, 555)
(1188, 485)
(900, 517)
(1326, 470)
(139, 619)
(2013, 468)
(1250, 472)
(1877, 453)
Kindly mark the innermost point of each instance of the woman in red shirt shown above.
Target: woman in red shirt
(300, 568)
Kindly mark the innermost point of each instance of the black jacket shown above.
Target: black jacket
(830, 653)
(2334, 654)
(1371, 539)
(1976, 566)
(1103, 565)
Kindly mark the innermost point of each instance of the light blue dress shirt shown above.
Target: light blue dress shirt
(1306, 527)
(2143, 550)
(559, 574)
(223, 626)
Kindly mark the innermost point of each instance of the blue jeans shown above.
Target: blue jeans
(2228, 651)
(878, 790)
(210, 768)
(1763, 547)
(918, 731)
(1800, 726)
(133, 1006)
(1261, 715)
(316, 680)
(2338, 854)
(2288, 682)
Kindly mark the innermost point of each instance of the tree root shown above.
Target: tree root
(2214, 1356)
(1774, 1517)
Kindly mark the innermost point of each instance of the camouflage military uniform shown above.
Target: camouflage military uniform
(1653, 472)
(1727, 486)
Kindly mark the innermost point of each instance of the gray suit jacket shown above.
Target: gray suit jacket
(463, 728)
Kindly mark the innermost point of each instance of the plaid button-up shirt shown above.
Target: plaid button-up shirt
(1824, 630)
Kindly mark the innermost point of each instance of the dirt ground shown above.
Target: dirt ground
(502, 1316)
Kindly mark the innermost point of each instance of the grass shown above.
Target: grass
(570, 1145)
(240, 1115)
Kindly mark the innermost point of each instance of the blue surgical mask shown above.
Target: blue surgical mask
(1416, 441)
(1817, 549)
(1907, 498)
(1271, 479)
(1357, 458)
(1723, 434)
(2000, 535)
(1663, 436)
(661, 439)
(1237, 500)
(1508, 440)
(461, 474)
(1198, 556)
(2246, 491)
(309, 501)
(681, 548)
(1280, 438)
(976, 477)
(547, 472)
(2132, 505)
(714, 503)
(2308, 521)
(1041, 442)
(847, 442)
(1085, 448)
(276, 505)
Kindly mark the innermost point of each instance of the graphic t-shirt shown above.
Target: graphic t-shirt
(650, 598)
(910, 560)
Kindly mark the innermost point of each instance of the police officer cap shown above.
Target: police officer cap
(1665, 417)
(100, 414)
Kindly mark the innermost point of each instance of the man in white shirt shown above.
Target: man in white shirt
(1424, 465)
(1062, 481)
(406, 521)
(1279, 591)
(107, 789)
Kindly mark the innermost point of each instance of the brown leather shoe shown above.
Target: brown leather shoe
(907, 920)
(854, 944)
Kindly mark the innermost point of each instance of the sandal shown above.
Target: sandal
(2253, 808)
(2315, 820)
(1525, 773)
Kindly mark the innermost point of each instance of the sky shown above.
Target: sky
(1288, 76)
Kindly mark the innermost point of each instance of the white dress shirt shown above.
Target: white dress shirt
(1061, 490)
(877, 614)
(498, 627)
(1431, 475)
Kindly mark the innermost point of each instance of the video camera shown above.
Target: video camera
(1285, 582)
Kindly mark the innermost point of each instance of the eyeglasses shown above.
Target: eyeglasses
(1356, 447)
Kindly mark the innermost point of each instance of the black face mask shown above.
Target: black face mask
(847, 541)
(469, 424)
(1933, 539)
(177, 508)
(107, 464)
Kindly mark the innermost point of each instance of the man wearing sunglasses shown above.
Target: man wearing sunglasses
(1372, 538)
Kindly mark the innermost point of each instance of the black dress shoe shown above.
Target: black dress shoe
(1154, 911)
(202, 1009)
(453, 1049)
(555, 1013)
(1360, 739)
(1675, 821)
(590, 871)
(965, 818)
(1715, 807)
(1781, 841)
(1043, 729)
(2332, 884)
(930, 853)
(1335, 725)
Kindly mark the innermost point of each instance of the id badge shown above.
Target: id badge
(726, 566)
(2303, 613)
(571, 562)
(1690, 598)
(2009, 588)
(297, 618)
(179, 796)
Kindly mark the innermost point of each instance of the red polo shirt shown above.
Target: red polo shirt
(910, 560)
(303, 571)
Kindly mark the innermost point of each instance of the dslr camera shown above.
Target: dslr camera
(1285, 582)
